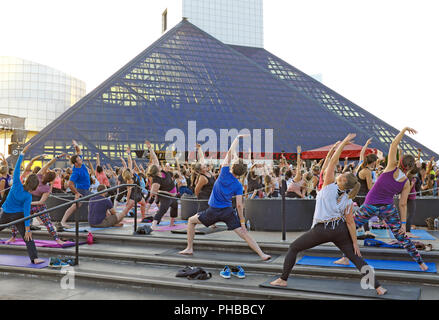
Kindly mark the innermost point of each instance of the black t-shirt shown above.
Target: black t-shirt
(165, 181)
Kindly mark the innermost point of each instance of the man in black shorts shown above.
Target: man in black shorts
(220, 205)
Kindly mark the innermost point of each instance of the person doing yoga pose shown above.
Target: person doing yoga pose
(333, 220)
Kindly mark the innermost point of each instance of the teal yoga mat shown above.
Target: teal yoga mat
(384, 234)
(377, 264)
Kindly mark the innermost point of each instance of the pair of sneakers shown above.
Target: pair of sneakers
(58, 263)
(237, 271)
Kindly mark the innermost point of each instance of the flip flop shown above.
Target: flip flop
(266, 260)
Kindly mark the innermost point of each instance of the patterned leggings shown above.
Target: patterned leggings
(390, 215)
(45, 218)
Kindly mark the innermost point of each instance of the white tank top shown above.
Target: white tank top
(329, 205)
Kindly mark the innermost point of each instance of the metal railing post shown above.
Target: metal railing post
(135, 216)
(77, 235)
(282, 192)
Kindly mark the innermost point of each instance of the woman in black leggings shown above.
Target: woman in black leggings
(162, 186)
(333, 221)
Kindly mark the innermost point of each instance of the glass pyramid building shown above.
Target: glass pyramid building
(187, 75)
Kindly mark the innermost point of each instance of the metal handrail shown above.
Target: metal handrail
(2, 226)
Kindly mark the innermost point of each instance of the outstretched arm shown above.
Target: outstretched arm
(4, 161)
(329, 156)
(329, 173)
(392, 162)
(152, 156)
(47, 166)
(29, 165)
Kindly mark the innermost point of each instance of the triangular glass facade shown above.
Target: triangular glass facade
(187, 75)
(332, 101)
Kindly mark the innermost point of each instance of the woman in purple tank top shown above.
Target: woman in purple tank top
(379, 200)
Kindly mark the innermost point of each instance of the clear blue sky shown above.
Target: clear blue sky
(382, 55)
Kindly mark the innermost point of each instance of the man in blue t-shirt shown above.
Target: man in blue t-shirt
(220, 208)
(79, 184)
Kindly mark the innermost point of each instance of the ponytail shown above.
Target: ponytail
(354, 191)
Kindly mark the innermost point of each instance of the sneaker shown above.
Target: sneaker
(225, 273)
(56, 263)
(238, 272)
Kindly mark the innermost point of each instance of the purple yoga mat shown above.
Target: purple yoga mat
(21, 261)
(43, 243)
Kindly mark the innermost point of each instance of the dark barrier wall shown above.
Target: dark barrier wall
(425, 207)
(58, 214)
(265, 214)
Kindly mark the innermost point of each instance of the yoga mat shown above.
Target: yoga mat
(166, 228)
(21, 261)
(346, 287)
(395, 265)
(89, 229)
(43, 243)
(166, 223)
(238, 257)
(202, 231)
(384, 234)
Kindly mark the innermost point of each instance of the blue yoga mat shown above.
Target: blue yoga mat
(164, 223)
(87, 229)
(384, 234)
(21, 261)
(377, 264)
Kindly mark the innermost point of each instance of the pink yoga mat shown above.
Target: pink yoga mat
(21, 261)
(42, 243)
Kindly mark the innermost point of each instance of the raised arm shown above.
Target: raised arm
(98, 160)
(130, 160)
(298, 176)
(329, 173)
(329, 156)
(228, 157)
(152, 156)
(200, 152)
(77, 148)
(124, 164)
(392, 162)
(4, 161)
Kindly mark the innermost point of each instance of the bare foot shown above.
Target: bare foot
(65, 226)
(11, 240)
(266, 257)
(187, 252)
(279, 282)
(343, 261)
(60, 242)
(423, 267)
(213, 226)
(381, 291)
(118, 225)
(38, 261)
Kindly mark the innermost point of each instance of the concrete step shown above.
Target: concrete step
(153, 254)
(163, 277)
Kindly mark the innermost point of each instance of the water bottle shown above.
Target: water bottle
(436, 223)
(248, 224)
(90, 238)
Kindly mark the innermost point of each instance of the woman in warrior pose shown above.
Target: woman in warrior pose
(379, 200)
(333, 220)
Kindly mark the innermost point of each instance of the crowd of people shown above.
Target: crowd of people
(365, 188)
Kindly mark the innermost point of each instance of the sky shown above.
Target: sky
(381, 55)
